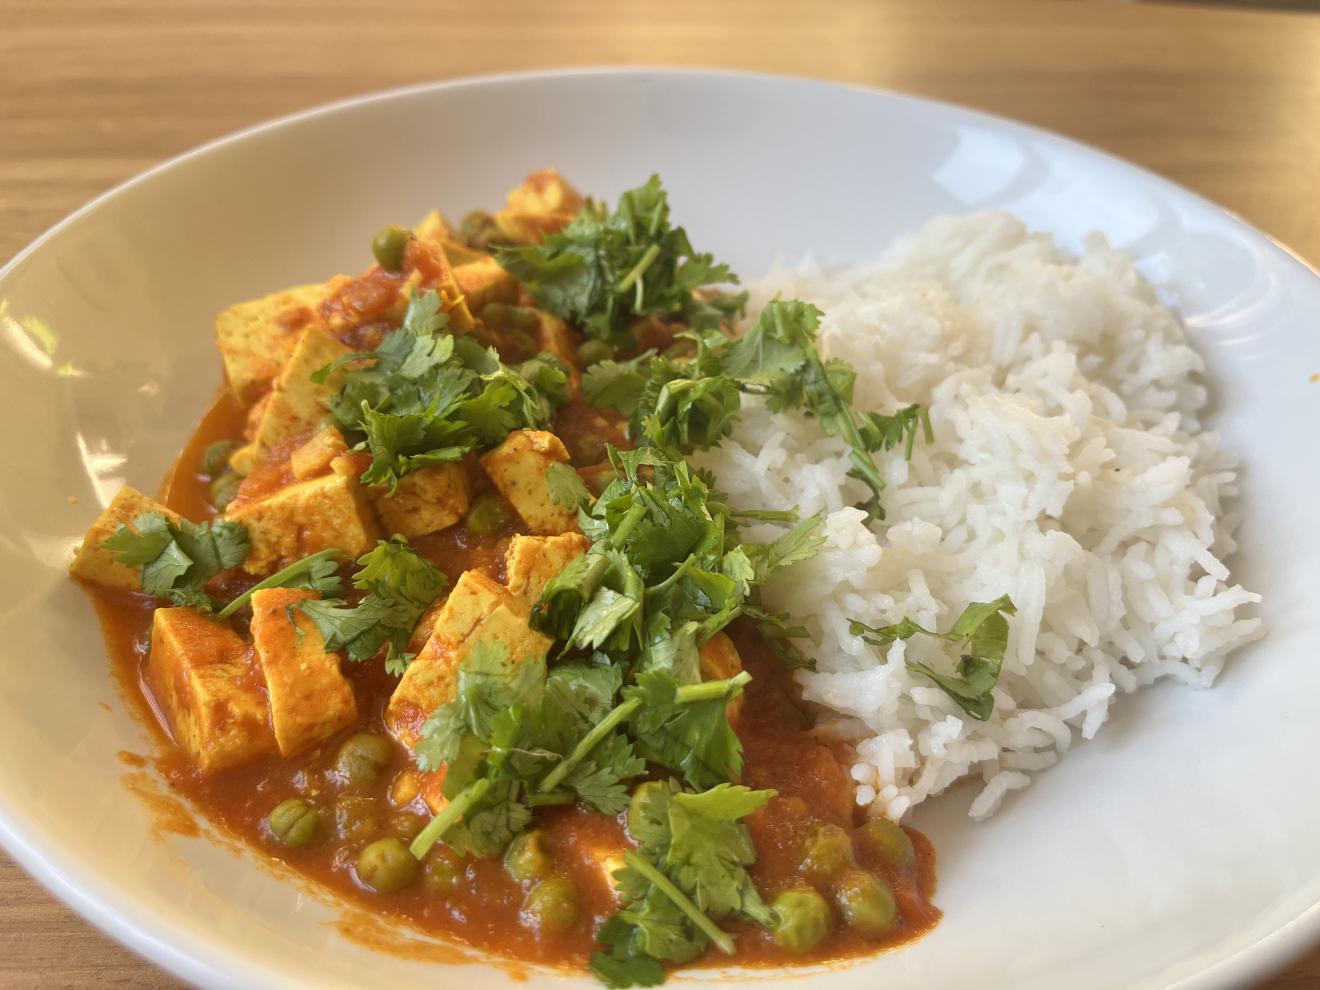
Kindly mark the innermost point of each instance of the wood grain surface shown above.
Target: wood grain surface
(1226, 102)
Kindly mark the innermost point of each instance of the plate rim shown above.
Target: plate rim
(192, 959)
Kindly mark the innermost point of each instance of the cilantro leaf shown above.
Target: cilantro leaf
(317, 572)
(400, 585)
(567, 488)
(177, 559)
(982, 632)
(692, 737)
(605, 269)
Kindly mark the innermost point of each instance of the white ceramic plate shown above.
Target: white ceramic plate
(1177, 851)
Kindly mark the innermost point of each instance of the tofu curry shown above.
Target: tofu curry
(433, 609)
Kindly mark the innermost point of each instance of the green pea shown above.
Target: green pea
(587, 449)
(357, 818)
(216, 458)
(827, 853)
(361, 760)
(519, 346)
(552, 906)
(502, 316)
(386, 865)
(441, 875)
(406, 825)
(389, 245)
(593, 352)
(223, 488)
(293, 823)
(866, 901)
(599, 480)
(526, 858)
(480, 230)
(802, 919)
(486, 514)
(886, 844)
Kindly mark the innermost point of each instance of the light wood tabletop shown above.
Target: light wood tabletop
(1226, 102)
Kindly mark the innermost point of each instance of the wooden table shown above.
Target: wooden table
(1225, 102)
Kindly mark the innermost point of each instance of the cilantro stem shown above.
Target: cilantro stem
(277, 579)
(710, 690)
(723, 941)
(554, 797)
(626, 525)
(449, 815)
(639, 269)
(620, 713)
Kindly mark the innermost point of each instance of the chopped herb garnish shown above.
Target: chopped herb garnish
(982, 633)
(400, 585)
(606, 269)
(425, 397)
(177, 559)
(317, 572)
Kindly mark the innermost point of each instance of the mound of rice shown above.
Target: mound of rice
(1069, 470)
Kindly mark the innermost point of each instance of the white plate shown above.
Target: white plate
(1178, 850)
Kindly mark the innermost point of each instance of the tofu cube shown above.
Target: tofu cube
(93, 562)
(719, 660)
(485, 281)
(553, 335)
(296, 404)
(434, 227)
(317, 454)
(257, 337)
(478, 610)
(305, 517)
(203, 680)
(425, 501)
(310, 700)
(543, 204)
(519, 468)
(532, 561)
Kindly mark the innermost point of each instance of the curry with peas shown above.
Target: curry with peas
(433, 608)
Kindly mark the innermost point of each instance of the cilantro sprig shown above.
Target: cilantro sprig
(982, 633)
(399, 585)
(692, 404)
(688, 873)
(317, 572)
(605, 269)
(178, 559)
(425, 396)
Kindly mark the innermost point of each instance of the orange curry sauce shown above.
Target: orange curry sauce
(812, 780)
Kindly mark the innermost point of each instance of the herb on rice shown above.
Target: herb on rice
(982, 633)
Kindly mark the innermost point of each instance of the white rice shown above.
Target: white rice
(1069, 470)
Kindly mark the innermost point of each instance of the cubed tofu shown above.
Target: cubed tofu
(553, 335)
(317, 454)
(478, 610)
(296, 404)
(543, 204)
(310, 700)
(425, 501)
(305, 517)
(485, 281)
(93, 562)
(519, 468)
(719, 660)
(532, 561)
(257, 337)
(433, 227)
(202, 677)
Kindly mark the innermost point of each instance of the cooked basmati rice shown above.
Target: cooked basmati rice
(1069, 470)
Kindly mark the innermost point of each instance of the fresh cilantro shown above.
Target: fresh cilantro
(982, 633)
(317, 572)
(686, 727)
(688, 873)
(425, 397)
(605, 269)
(177, 559)
(566, 486)
(399, 584)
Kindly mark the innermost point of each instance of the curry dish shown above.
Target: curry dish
(433, 609)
